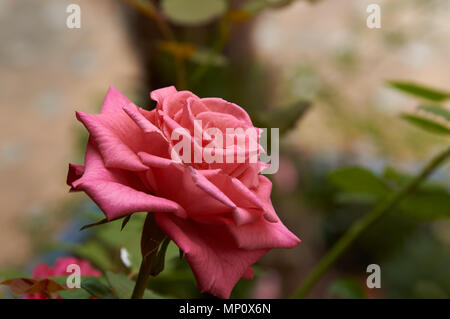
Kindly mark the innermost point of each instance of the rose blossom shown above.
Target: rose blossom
(219, 214)
(43, 271)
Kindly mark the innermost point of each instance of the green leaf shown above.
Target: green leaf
(151, 237)
(426, 124)
(347, 288)
(255, 6)
(193, 12)
(436, 110)
(180, 254)
(125, 222)
(420, 91)
(427, 206)
(159, 262)
(284, 118)
(359, 181)
(95, 287)
(100, 222)
(76, 293)
(121, 284)
(72, 293)
(123, 287)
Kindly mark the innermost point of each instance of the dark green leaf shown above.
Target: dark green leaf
(95, 287)
(125, 222)
(100, 222)
(152, 236)
(420, 91)
(283, 118)
(427, 124)
(121, 284)
(158, 263)
(347, 288)
(72, 293)
(123, 287)
(427, 206)
(75, 294)
(181, 254)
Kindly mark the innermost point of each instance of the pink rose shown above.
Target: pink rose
(219, 214)
(44, 271)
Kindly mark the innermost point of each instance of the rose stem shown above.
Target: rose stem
(143, 276)
(366, 221)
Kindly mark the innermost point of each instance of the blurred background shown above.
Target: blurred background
(268, 57)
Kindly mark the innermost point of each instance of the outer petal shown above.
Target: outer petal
(114, 101)
(118, 138)
(267, 232)
(177, 184)
(263, 234)
(216, 261)
(119, 193)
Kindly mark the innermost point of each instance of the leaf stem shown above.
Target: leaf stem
(365, 222)
(143, 276)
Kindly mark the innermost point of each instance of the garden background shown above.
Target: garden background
(312, 68)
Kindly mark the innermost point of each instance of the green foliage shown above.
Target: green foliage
(347, 288)
(432, 118)
(159, 262)
(123, 286)
(420, 91)
(436, 110)
(427, 124)
(420, 269)
(359, 181)
(427, 206)
(100, 222)
(97, 289)
(431, 201)
(193, 12)
(283, 118)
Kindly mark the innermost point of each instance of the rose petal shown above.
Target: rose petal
(263, 235)
(211, 252)
(111, 132)
(119, 193)
(222, 106)
(114, 101)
